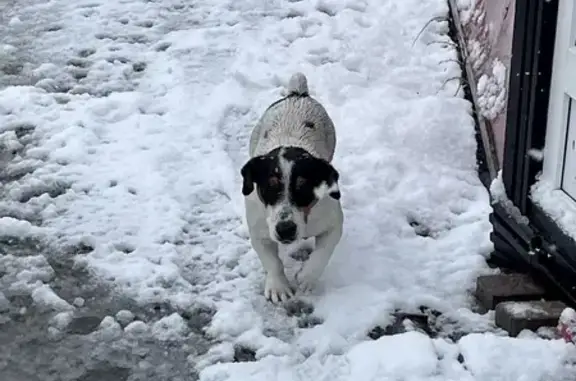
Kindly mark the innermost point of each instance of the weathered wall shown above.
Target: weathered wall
(488, 28)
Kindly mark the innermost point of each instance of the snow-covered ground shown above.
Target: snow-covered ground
(127, 145)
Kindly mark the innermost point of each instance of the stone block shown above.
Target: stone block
(494, 289)
(517, 316)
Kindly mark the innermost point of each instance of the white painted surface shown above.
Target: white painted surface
(569, 170)
(568, 27)
(563, 88)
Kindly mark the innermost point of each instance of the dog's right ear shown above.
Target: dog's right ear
(247, 173)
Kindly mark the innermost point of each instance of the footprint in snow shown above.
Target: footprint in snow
(144, 23)
(324, 7)
(303, 311)
(419, 228)
(244, 354)
(162, 46)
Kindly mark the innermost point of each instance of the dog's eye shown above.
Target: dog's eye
(300, 181)
(273, 181)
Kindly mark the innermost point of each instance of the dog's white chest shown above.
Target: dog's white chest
(323, 215)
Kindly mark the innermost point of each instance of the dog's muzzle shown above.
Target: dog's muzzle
(286, 231)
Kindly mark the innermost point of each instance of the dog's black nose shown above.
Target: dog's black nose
(286, 231)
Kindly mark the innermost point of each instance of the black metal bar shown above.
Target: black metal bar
(515, 107)
(527, 102)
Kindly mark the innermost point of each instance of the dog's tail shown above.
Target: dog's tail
(298, 85)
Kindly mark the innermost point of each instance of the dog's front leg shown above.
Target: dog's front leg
(319, 258)
(277, 288)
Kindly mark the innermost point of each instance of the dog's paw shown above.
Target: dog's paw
(308, 278)
(306, 287)
(277, 289)
(302, 254)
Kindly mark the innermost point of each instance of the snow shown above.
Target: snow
(557, 204)
(124, 317)
(523, 309)
(78, 302)
(502, 358)
(129, 140)
(62, 319)
(4, 303)
(44, 296)
(466, 9)
(567, 316)
(498, 194)
(12, 227)
(414, 356)
(536, 154)
(170, 327)
(491, 88)
(136, 328)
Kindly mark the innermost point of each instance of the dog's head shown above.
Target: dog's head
(289, 181)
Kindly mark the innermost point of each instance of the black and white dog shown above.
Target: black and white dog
(291, 189)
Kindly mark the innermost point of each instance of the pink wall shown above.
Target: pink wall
(488, 28)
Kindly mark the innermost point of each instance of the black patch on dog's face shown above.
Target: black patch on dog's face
(265, 172)
(307, 174)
